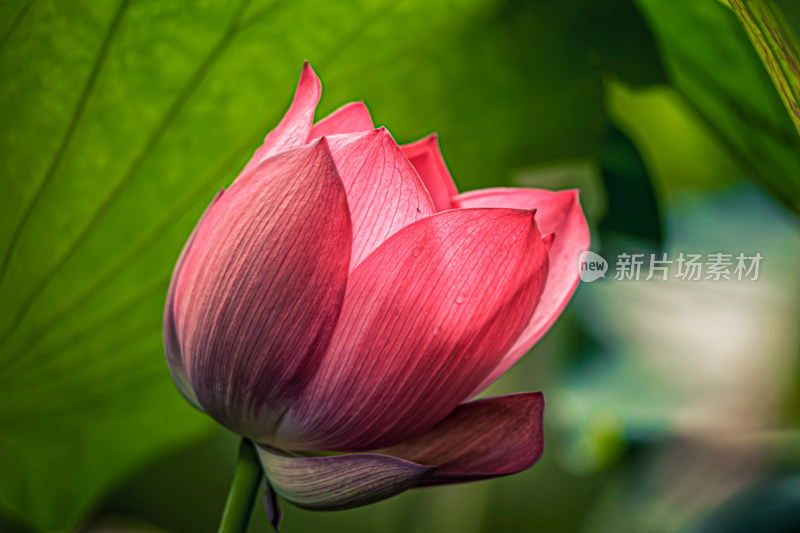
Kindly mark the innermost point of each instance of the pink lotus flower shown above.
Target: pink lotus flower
(342, 296)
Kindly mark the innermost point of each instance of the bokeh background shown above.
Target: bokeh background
(672, 406)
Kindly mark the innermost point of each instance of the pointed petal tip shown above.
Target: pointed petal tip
(538, 395)
(322, 144)
(309, 75)
(293, 129)
(307, 70)
(433, 140)
(429, 141)
(370, 134)
(548, 240)
(573, 194)
(272, 506)
(357, 105)
(353, 117)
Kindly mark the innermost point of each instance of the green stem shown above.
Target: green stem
(244, 489)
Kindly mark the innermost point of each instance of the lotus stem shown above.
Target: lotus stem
(244, 488)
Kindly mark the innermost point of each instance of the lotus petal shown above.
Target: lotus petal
(426, 317)
(481, 439)
(295, 127)
(426, 156)
(261, 288)
(350, 118)
(559, 213)
(340, 481)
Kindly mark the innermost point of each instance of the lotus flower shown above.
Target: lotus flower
(341, 296)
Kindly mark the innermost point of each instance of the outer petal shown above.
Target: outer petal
(340, 481)
(272, 506)
(295, 127)
(559, 213)
(426, 156)
(484, 438)
(384, 191)
(426, 317)
(172, 345)
(350, 118)
(261, 289)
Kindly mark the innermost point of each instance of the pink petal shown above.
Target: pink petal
(559, 213)
(384, 191)
(172, 345)
(484, 438)
(426, 156)
(350, 118)
(296, 124)
(340, 481)
(426, 317)
(261, 288)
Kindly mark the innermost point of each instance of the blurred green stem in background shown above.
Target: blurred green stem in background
(777, 47)
(244, 487)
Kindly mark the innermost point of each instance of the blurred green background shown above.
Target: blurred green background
(672, 406)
